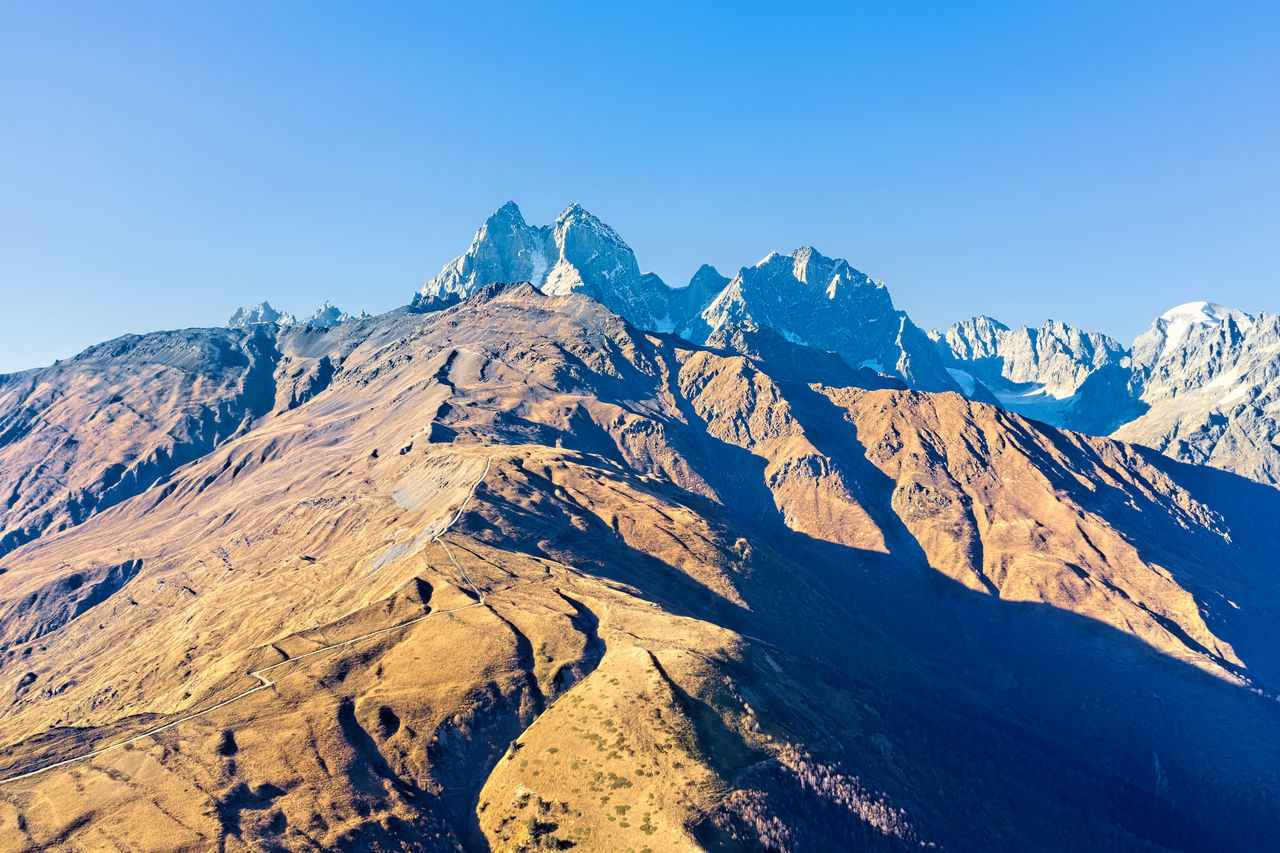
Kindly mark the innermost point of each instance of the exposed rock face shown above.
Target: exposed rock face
(504, 249)
(1210, 380)
(325, 317)
(260, 313)
(802, 296)
(1056, 358)
(590, 258)
(648, 594)
(1200, 385)
(576, 254)
(1163, 348)
(688, 304)
(825, 303)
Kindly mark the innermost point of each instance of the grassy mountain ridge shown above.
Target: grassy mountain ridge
(654, 595)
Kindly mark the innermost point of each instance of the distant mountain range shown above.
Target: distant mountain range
(325, 317)
(1201, 385)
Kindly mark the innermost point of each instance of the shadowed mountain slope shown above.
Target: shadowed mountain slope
(650, 594)
(104, 426)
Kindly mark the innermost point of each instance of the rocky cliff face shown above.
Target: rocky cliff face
(802, 296)
(1199, 385)
(576, 254)
(1054, 360)
(1162, 351)
(689, 303)
(1210, 382)
(517, 574)
(326, 316)
(825, 303)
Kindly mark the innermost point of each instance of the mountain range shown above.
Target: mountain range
(805, 297)
(582, 561)
(1200, 385)
(324, 317)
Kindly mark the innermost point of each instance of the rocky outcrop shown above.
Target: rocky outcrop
(1211, 391)
(825, 303)
(803, 296)
(576, 254)
(1055, 359)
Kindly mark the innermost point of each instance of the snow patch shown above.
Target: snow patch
(793, 337)
(1182, 320)
(964, 379)
(538, 273)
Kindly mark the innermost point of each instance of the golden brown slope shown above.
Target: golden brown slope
(718, 609)
(95, 430)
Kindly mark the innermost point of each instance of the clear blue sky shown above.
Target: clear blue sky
(162, 163)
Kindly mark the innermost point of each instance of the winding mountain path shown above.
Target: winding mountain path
(259, 674)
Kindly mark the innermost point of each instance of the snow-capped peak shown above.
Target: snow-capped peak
(1204, 314)
(1182, 324)
(578, 253)
(508, 209)
(325, 317)
(1182, 328)
(803, 295)
(260, 313)
(577, 215)
(505, 220)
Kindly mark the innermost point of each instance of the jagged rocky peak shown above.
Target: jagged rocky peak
(589, 257)
(708, 279)
(326, 316)
(1053, 360)
(688, 303)
(977, 337)
(329, 315)
(260, 313)
(1182, 328)
(784, 292)
(805, 296)
(578, 253)
(1209, 379)
(1201, 384)
(1202, 346)
(590, 253)
(505, 249)
(824, 302)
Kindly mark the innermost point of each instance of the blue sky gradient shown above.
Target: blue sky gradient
(163, 163)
